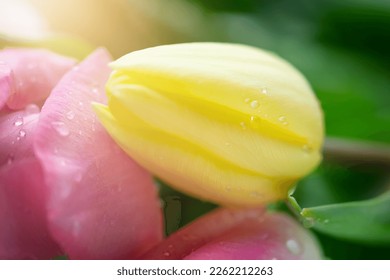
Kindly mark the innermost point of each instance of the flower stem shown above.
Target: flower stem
(353, 152)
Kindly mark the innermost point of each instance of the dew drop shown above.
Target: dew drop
(254, 104)
(243, 125)
(70, 115)
(166, 254)
(81, 103)
(326, 221)
(18, 122)
(307, 149)
(95, 90)
(308, 222)
(293, 246)
(32, 109)
(247, 100)
(282, 119)
(61, 128)
(22, 133)
(264, 90)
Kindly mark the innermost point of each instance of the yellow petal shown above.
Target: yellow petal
(210, 178)
(219, 121)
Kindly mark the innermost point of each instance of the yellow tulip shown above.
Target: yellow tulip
(226, 123)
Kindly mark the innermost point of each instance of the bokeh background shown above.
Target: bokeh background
(342, 47)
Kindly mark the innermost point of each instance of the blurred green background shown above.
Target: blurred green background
(342, 47)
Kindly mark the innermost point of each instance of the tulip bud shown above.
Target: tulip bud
(226, 123)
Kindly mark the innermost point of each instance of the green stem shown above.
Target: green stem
(356, 152)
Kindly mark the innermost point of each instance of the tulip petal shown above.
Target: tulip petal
(16, 134)
(36, 72)
(248, 234)
(252, 81)
(257, 154)
(209, 179)
(96, 190)
(24, 233)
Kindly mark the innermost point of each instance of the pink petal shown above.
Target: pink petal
(6, 84)
(102, 205)
(16, 134)
(24, 233)
(36, 72)
(239, 235)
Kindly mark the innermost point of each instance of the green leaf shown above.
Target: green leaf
(363, 221)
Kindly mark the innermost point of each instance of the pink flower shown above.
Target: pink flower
(248, 234)
(65, 186)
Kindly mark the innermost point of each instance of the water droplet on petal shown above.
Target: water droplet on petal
(254, 104)
(307, 149)
(264, 90)
(95, 90)
(166, 254)
(243, 125)
(293, 246)
(61, 128)
(70, 115)
(22, 133)
(18, 122)
(282, 119)
(247, 100)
